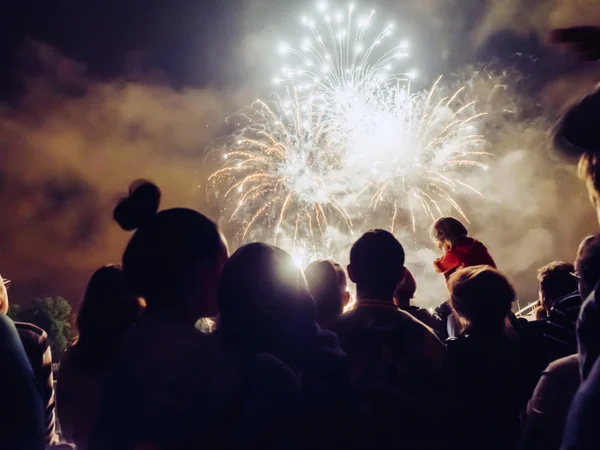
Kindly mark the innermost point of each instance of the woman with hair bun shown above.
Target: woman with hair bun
(171, 386)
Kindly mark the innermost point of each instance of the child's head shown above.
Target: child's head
(447, 232)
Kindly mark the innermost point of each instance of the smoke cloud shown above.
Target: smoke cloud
(71, 146)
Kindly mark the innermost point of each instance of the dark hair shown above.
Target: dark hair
(481, 295)
(326, 281)
(406, 289)
(377, 263)
(165, 246)
(577, 130)
(265, 304)
(106, 312)
(448, 230)
(556, 281)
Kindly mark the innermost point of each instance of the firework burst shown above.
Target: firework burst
(281, 172)
(347, 63)
(417, 145)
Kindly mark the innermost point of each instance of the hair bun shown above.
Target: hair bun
(139, 207)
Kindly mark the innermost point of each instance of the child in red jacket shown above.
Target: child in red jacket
(459, 249)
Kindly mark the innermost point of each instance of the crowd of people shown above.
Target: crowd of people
(291, 365)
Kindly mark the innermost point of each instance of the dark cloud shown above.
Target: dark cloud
(68, 150)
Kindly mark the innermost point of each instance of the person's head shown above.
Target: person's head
(175, 256)
(376, 265)
(556, 280)
(264, 302)
(327, 284)
(587, 265)
(107, 310)
(447, 232)
(4, 295)
(405, 291)
(589, 171)
(481, 296)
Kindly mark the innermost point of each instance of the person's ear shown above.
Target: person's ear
(345, 298)
(350, 273)
(401, 275)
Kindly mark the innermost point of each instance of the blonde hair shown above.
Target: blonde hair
(588, 170)
(449, 231)
(481, 294)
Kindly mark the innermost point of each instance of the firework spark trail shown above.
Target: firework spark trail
(280, 168)
(419, 143)
(347, 63)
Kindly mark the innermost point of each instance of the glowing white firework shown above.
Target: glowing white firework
(413, 152)
(346, 63)
(280, 171)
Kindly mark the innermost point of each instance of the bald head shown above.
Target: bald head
(587, 265)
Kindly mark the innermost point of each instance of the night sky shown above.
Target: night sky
(140, 88)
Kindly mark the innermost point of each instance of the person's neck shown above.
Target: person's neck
(169, 315)
(365, 297)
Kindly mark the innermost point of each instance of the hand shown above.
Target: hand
(583, 41)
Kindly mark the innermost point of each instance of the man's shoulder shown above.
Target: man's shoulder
(564, 366)
(375, 316)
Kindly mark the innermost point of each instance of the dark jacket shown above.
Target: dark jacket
(561, 326)
(402, 374)
(490, 389)
(37, 348)
(549, 405)
(588, 333)
(581, 429)
(21, 411)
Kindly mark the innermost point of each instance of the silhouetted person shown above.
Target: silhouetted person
(576, 134)
(549, 405)
(106, 313)
(489, 380)
(399, 367)
(327, 284)
(403, 296)
(37, 348)
(21, 409)
(552, 337)
(587, 271)
(170, 385)
(562, 302)
(581, 426)
(548, 408)
(265, 307)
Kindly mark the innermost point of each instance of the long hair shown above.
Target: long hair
(107, 311)
(449, 231)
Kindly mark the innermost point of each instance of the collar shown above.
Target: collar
(376, 302)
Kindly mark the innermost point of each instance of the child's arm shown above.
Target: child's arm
(447, 262)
